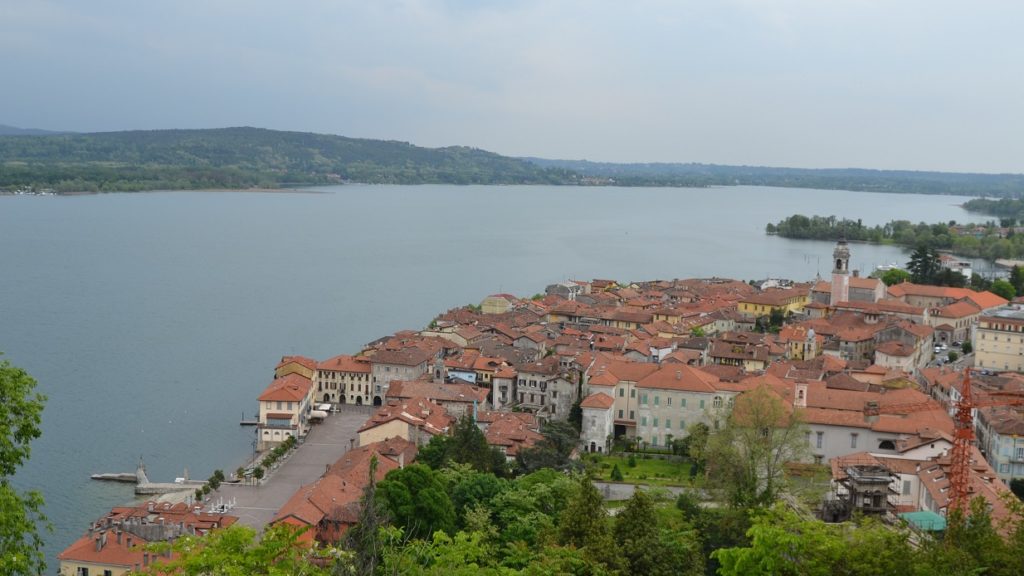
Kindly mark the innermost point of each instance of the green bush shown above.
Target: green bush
(616, 474)
(632, 461)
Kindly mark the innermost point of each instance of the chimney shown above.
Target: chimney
(401, 459)
(856, 273)
(679, 374)
(128, 541)
(118, 533)
(99, 544)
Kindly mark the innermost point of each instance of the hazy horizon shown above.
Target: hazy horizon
(923, 86)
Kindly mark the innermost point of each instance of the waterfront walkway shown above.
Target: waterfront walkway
(255, 506)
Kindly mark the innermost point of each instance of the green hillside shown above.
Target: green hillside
(244, 158)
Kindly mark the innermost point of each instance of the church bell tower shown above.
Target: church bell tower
(841, 273)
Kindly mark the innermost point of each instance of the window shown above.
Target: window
(643, 420)
(853, 440)
(82, 571)
(906, 487)
(290, 405)
(821, 440)
(682, 402)
(717, 403)
(278, 404)
(620, 414)
(701, 404)
(655, 421)
(632, 393)
(108, 573)
(643, 399)
(656, 400)
(668, 423)
(622, 392)
(668, 401)
(554, 394)
(632, 415)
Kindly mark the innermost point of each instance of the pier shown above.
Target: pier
(142, 484)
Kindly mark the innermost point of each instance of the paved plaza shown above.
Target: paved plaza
(255, 506)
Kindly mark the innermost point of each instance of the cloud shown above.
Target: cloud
(914, 84)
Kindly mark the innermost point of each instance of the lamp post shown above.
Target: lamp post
(254, 442)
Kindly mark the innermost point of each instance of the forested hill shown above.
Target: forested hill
(667, 174)
(243, 158)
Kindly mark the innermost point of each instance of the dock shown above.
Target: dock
(144, 487)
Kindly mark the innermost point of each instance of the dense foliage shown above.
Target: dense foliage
(698, 175)
(1010, 209)
(244, 158)
(989, 240)
(21, 409)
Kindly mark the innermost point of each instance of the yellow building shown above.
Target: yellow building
(284, 409)
(784, 301)
(999, 341)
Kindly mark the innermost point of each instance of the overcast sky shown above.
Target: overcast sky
(925, 85)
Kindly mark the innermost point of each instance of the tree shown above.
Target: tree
(417, 501)
(650, 549)
(235, 550)
(616, 474)
(895, 276)
(747, 457)
(696, 443)
(967, 348)
(784, 544)
(1003, 288)
(584, 524)
(364, 538)
(466, 445)
(923, 265)
(697, 331)
(1017, 279)
(21, 409)
(553, 451)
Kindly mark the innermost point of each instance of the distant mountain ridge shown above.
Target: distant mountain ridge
(244, 158)
(857, 179)
(239, 158)
(6, 130)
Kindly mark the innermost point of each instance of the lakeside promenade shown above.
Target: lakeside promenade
(255, 506)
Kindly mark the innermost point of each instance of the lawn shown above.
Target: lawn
(653, 471)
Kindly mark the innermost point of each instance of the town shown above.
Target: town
(875, 378)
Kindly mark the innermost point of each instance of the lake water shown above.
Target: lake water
(152, 321)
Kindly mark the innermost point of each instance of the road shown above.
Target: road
(255, 506)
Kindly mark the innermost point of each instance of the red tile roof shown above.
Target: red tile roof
(598, 400)
(346, 363)
(290, 388)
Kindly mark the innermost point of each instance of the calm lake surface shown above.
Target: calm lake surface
(152, 321)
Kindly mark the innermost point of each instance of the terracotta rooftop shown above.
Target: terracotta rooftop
(290, 388)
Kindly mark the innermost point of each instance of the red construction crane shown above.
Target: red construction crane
(963, 434)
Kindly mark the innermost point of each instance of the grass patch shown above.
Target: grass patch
(652, 472)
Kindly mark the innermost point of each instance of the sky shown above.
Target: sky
(888, 84)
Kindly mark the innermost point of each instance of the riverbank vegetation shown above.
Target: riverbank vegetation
(990, 240)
